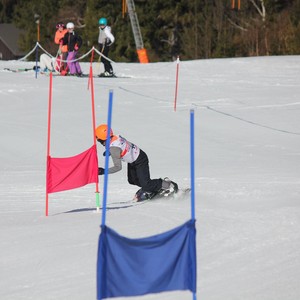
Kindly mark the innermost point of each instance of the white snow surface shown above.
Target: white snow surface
(247, 175)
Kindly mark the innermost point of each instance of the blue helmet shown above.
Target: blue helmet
(103, 21)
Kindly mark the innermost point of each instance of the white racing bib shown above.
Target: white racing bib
(130, 152)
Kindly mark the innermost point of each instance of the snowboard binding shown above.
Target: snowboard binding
(169, 188)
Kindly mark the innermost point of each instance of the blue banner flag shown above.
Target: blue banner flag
(132, 267)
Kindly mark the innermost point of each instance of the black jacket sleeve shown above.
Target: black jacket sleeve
(78, 41)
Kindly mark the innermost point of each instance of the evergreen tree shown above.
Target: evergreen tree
(191, 29)
(6, 10)
(27, 14)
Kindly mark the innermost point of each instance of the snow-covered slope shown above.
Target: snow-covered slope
(247, 140)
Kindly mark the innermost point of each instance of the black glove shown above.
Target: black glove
(100, 171)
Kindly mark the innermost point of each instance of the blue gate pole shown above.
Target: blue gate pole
(36, 58)
(109, 117)
(192, 154)
(192, 146)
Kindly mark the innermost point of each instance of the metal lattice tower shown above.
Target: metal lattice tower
(135, 25)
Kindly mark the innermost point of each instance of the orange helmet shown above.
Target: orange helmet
(101, 132)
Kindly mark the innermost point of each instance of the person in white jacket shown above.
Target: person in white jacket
(105, 40)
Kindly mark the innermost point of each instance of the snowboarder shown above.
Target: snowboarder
(47, 63)
(138, 166)
(105, 40)
(73, 42)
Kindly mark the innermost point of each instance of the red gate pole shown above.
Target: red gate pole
(48, 139)
(91, 82)
(176, 86)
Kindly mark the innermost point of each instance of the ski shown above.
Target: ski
(81, 76)
(115, 76)
(102, 75)
(18, 70)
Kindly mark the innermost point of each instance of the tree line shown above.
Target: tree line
(192, 29)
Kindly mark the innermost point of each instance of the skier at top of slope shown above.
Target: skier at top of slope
(105, 40)
(138, 166)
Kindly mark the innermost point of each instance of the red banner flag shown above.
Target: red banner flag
(72, 172)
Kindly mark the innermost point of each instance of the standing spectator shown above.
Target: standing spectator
(73, 42)
(105, 40)
(63, 49)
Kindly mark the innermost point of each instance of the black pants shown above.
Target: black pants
(138, 174)
(107, 65)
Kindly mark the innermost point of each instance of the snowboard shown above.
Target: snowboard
(182, 193)
(159, 195)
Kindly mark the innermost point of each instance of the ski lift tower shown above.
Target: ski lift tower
(141, 51)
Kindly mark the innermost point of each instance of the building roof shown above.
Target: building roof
(9, 35)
